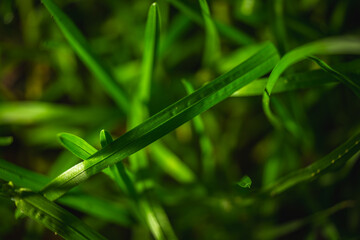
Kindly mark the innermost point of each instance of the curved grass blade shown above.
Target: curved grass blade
(53, 216)
(336, 158)
(83, 50)
(354, 86)
(5, 141)
(336, 45)
(212, 41)
(205, 144)
(165, 121)
(95, 206)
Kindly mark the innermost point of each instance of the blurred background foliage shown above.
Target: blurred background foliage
(46, 89)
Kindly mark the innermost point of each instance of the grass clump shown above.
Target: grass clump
(224, 120)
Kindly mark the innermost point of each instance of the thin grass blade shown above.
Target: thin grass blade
(212, 40)
(335, 159)
(206, 147)
(83, 50)
(350, 83)
(165, 121)
(78, 146)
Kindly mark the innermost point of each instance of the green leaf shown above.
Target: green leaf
(336, 45)
(352, 84)
(78, 146)
(336, 158)
(5, 141)
(83, 50)
(165, 121)
(53, 216)
(245, 182)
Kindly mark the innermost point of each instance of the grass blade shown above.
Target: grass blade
(83, 50)
(354, 86)
(166, 120)
(339, 45)
(212, 41)
(336, 158)
(205, 144)
(90, 205)
(53, 216)
(78, 146)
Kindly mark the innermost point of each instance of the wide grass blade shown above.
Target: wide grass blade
(83, 50)
(53, 216)
(336, 158)
(166, 120)
(336, 45)
(350, 83)
(212, 40)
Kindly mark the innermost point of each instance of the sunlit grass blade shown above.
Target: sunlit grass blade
(226, 30)
(352, 84)
(212, 41)
(99, 208)
(78, 146)
(166, 120)
(336, 158)
(208, 160)
(336, 45)
(5, 141)
(53, 216)
(275, 232)
(83, 50)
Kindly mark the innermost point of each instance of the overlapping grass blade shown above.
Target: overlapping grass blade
(212, 41)
(166, 120)
(352, 84)
(53, 216)
(83, 50)
(336, 45)
(336, 158)
(208, 160)
(88, 204)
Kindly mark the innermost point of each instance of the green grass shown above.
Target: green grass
(257, 143)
